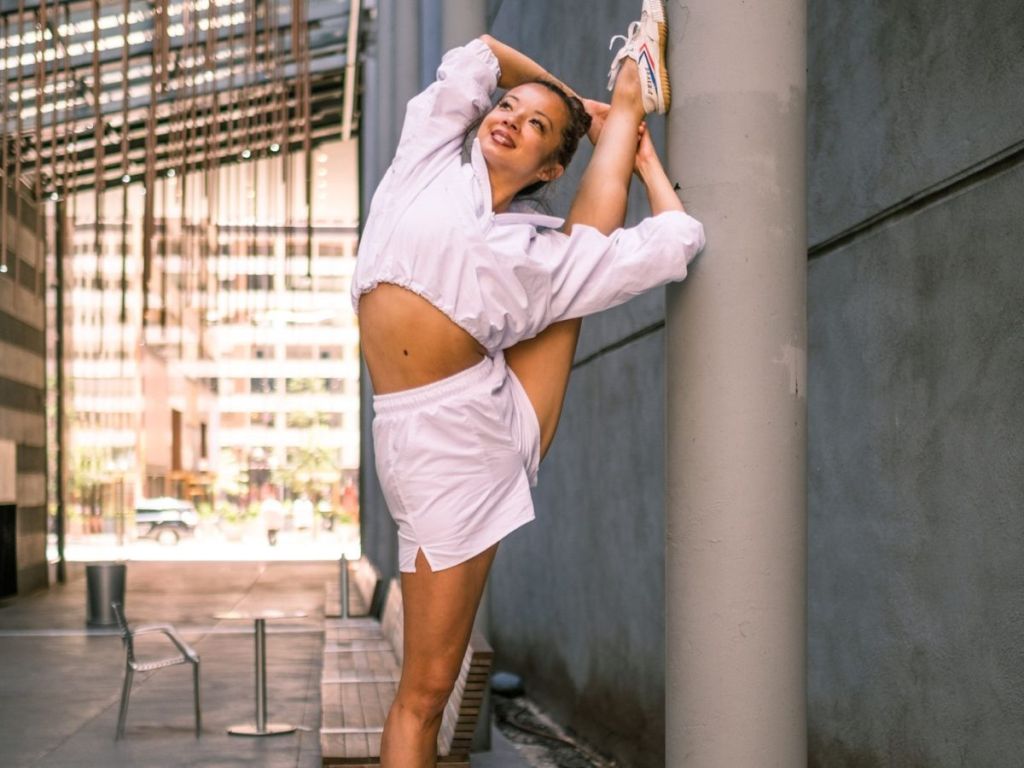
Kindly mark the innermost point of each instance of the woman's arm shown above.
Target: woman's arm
(660, 191)
(518, 68)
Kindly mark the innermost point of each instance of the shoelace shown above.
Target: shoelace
(634, 28)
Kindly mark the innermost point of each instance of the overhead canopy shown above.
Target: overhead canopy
(199, 83)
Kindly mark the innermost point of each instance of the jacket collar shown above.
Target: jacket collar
(520, 212)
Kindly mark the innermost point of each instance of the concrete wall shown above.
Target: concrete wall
(22, 387)
(916, 317)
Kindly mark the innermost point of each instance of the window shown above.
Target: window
(256, 282)
(175, 440)
(299, 420)
(233, 420)
(261, 419)
(261, 386)
(331, 283)
(298, 282)
(331, 249)
(299, 386)
(332, 420)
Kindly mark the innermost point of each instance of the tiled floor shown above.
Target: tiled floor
(60, 683)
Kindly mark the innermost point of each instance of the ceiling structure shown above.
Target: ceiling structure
(95, 93)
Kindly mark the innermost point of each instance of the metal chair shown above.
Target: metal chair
(186, 655)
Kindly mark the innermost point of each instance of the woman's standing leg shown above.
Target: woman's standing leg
(439, 608)
(543, 363)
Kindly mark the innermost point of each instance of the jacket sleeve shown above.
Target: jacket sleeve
(436, 120)
(591, 272)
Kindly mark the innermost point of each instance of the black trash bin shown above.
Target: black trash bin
(104, 584)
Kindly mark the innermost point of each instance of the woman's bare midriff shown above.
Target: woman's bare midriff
(408, 342)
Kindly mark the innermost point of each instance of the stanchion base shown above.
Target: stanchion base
(272, 729)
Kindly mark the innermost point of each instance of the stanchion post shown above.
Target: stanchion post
(343, 593)
(261, 675)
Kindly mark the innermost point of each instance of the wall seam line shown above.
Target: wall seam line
(984, 170)
(647, 330)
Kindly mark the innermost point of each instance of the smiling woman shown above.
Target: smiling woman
(470, 304)
(553, 123)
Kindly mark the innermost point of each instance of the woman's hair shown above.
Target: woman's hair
(576, 128)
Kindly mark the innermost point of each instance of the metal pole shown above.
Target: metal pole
(736, 381)
(60, 227)
(344, 587)
(261, 675)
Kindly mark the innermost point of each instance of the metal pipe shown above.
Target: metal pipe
(351, 60)
(60, 232)
(344, 587)
(261, 675)
(736, 381)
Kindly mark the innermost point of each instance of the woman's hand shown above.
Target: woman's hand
(598, 111)
(646, 155)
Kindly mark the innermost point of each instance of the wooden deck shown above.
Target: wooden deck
(361, 668)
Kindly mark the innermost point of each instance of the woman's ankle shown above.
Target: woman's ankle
(409, 739)
(628, 91)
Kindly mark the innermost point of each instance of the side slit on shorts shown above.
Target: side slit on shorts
(456, 460)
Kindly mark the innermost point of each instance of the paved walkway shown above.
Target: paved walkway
(60, 683)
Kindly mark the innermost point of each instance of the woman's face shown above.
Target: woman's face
(520, 135)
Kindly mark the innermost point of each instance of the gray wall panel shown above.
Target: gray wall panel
(916, 405)
(903, 95)
(577, 597)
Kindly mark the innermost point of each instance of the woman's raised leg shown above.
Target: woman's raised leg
(438, 611)
(601, 199)
(543, 363)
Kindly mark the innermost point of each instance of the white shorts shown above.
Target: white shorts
(456, 460)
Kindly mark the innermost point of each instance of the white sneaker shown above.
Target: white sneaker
(645, 43)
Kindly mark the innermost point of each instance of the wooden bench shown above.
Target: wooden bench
(362, 663)
(365, 591)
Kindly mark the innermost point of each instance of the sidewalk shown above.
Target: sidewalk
(61, 683)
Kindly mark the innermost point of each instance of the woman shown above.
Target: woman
(469, 306)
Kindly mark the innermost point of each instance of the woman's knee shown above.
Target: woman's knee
(425, 696)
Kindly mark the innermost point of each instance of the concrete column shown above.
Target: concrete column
(736, 364)
(385, 83)
(463, 20)
(391, 73)
(431, 24)
(406, 49)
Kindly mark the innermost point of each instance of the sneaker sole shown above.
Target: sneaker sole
(666, 86)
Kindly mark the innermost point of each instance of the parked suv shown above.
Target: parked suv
(165, 519)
